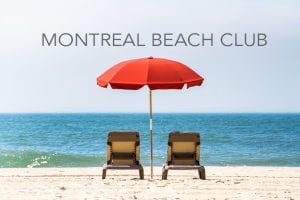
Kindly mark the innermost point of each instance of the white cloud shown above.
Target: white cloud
(37, 79)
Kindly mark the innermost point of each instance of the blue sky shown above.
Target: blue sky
(238, 79)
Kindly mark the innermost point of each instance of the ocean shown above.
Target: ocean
(79, 140)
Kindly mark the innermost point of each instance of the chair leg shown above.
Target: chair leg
(104, 172)
(141, 172)
(201, 172)
(164, 174)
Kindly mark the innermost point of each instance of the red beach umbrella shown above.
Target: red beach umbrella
(156, 73)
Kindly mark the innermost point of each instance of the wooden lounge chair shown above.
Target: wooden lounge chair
(123, 152)
(183, 153)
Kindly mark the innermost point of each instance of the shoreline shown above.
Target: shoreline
(80, 183)
(154, 166)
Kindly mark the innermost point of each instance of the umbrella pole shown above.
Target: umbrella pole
(151, 149)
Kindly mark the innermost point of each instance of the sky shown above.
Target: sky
(34, 78)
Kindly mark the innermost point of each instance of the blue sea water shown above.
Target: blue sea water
(79, 140)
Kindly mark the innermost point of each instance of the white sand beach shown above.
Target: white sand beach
(86, 183)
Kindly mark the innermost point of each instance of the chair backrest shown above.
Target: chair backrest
(123, 147)
(184, 148)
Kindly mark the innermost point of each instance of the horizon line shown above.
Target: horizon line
(273, 112)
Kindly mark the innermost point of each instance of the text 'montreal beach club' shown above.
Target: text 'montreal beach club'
(155, 39)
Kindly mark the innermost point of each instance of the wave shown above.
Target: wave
(33, 159)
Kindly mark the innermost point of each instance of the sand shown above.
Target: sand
(86, 183)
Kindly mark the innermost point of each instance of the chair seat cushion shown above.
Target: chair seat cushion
(121, 158)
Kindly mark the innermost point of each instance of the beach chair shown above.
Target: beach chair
(183, 153)
(123, 152)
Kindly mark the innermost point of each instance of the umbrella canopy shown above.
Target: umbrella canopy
(156, 73)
